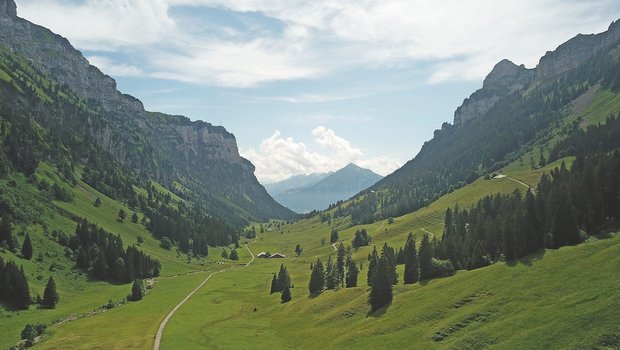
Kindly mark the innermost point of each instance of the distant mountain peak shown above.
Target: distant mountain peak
(8, 8)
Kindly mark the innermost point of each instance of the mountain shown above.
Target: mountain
(295, 181)
(335, 187)
(516, 110)
(194, 158)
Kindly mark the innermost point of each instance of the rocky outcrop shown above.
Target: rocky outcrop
(507, 78)
(168, 148)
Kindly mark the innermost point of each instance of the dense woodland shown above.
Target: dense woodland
(102, 255)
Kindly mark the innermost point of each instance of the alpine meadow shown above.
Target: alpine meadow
(365, 221)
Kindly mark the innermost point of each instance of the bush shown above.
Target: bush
(441, 268)
(166, 243)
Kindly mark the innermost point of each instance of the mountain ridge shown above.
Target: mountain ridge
(337, 186)
(202, 157)
(507, 77)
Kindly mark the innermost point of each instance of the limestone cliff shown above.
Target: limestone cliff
(167, 148)
(507, 78)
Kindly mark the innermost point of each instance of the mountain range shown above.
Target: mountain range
(305, 193)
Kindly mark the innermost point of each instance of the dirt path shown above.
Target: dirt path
(502, 176)
(163, 323)
(429, 232)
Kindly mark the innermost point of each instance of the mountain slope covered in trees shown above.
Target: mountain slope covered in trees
(515, 109)
(197, 160)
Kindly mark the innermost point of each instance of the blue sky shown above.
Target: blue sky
(309, 86)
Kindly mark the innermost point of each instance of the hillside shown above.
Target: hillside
(334, 187)
(202, 158)
(515, 110)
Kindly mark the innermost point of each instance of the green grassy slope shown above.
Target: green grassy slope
(550, 302)
(80, 295)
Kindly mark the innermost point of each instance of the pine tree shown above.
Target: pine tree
(388, 252)
(274, 285)
(136, 291)
(50, 296)
(372, 265)
(134, 217)
(27, 247)
(340, 260)
(331, 275)
(97, 202)
(381, 287)
(5, 228)
(286, 295)
(333, 238)
(426, 258)
(234, 255)
(21, 290)
(352, 272)
(317, 278)
(298, 249)
(283, 278)
(411, 274)
(122, 215)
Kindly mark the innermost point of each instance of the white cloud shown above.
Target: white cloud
(279, 158)
(458, 39)
(112, 68)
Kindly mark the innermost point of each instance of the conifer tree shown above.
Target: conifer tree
(286, 295)
(388, 252)
(27, 247)
(97, 202)
(333, 238)
(331, 274)
(317, 278)
(5, 228)
(340, 261)
(134, 217)
(50, 296)
(274, 284)
(234, 255)
(298, 249)
(372, 265)
(381, 286)
(425, 258)
(21, 290)
(122, 215)
(352, 272)
(283, 278)
(136, 291)
(411, 274)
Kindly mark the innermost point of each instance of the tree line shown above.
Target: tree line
(568, 205)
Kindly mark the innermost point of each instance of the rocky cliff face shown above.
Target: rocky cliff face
(165, 147)
(507, 78)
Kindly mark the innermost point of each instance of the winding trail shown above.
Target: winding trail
(427, 231)
(502, 176)
(163, 323)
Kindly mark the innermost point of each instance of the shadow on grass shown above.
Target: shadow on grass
(378, 313)
(527, 260)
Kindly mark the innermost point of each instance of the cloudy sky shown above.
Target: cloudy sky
(309, 86)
